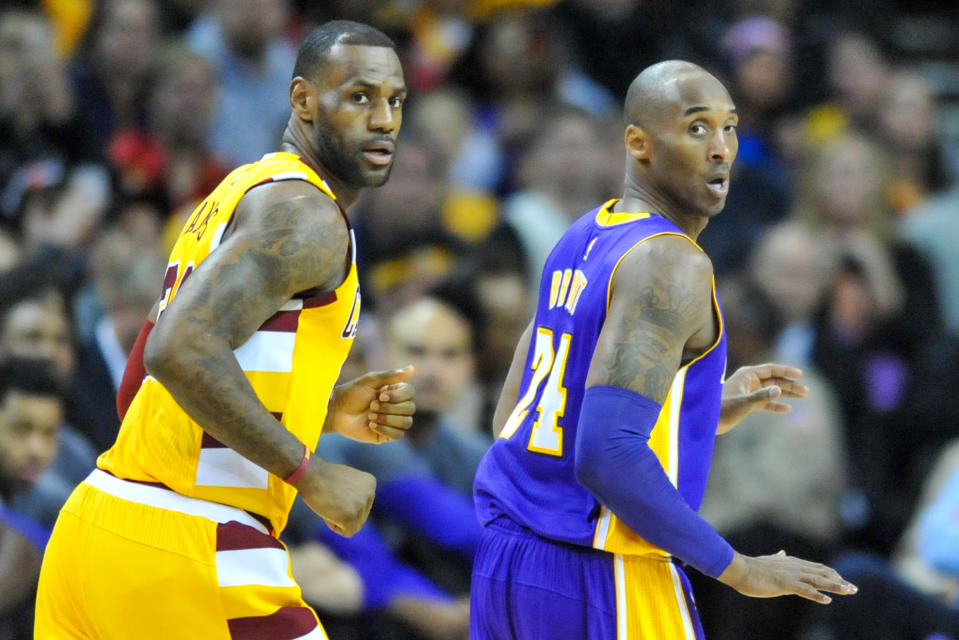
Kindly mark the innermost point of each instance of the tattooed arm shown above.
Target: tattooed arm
(661, 314)
(287, 237)
(660, 309)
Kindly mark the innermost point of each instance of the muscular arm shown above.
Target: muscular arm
(660, 309)
(514, 378)
(660, 301)
(288, 238)
(660, 304)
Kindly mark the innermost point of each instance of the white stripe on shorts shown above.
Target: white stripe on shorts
(170, 500)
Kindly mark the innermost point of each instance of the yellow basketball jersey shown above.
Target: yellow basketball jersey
(292, 361)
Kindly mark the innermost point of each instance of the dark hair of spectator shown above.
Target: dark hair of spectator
(316, 47)
(31, 376)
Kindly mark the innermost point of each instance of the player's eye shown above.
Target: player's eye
(697, 129)
(360, 98)
(396, 102)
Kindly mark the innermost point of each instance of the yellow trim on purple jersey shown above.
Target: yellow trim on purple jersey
(528, 475)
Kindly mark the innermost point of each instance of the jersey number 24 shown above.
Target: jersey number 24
(546, 436)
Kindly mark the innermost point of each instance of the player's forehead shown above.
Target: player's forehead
(698, 92)
(360, 64)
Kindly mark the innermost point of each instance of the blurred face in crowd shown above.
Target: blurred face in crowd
(26, 42)
(39, 329)
(763, 78)
(250, 25)
(416, 181)
(790, 267)
(29, 436)
(129, 37)
(907, 112)
(437, 341)
(856, 73)
(184, 99)
(564, 159)
(354, 105)
(848, 182)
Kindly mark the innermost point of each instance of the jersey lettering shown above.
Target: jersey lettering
(566, 286)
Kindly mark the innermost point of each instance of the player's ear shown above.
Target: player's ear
(303, 99)
(637, 142)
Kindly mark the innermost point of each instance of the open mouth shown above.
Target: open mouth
(379, 155)
(719, 187)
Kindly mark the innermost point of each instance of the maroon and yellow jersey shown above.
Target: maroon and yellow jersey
(292, 361)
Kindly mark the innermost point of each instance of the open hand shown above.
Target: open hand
(782, 575)
(376, 407)
(758, 388)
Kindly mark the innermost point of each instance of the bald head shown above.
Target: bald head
(659, 86)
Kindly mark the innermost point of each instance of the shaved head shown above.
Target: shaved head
(658, 87)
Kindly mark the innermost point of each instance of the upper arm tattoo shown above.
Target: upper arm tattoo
(294, 245)
(649, 323)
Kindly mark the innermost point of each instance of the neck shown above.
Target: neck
(295, 141)
(640, 197)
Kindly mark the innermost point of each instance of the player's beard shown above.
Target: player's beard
(345, 161)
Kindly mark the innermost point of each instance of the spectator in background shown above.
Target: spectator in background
(556, 181)
(43, 136)
(425, 480)
(114, 66)
(910, 132)
(914, 594)
(791, 268)
(424, 506)
(933, 227)
(31, 412)
(856, 71)
(774, 482)
(519, 70)
(169, 160)
(405, 251)
(125, 280)
(447, 117)
(880, 309)
(245, 42)
(36, 326)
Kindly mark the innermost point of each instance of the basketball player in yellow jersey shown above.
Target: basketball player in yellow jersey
(174, 535)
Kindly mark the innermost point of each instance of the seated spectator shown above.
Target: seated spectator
(45, 140)
(774, 482)
(113, 66)
(168, 160)
(245, 42)
(880, 311)
(31, 412)
(424, 493)
(909, 125)
(933, 228)
(915, 594)
(37, 327)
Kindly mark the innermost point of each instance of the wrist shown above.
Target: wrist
(733, 574)
(329, 423)
(295, 475)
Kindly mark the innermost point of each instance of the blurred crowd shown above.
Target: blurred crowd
(838, 252)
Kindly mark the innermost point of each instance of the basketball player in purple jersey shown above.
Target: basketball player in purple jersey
(608, 416)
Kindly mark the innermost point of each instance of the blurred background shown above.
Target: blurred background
(838, 251)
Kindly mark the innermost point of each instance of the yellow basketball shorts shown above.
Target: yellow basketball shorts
(128, 560)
